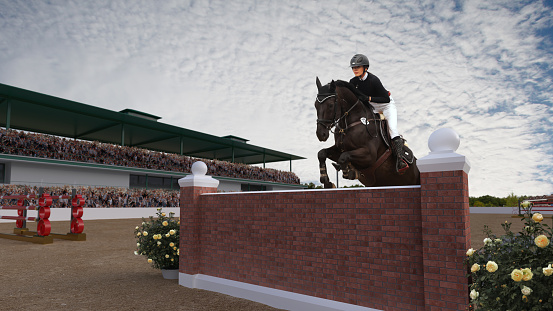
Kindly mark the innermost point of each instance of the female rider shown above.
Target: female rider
(379, 98)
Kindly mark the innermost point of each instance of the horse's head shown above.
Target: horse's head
(326, 106)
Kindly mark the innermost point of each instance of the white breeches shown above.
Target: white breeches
(390, 113)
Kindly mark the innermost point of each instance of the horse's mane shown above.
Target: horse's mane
(350, 86)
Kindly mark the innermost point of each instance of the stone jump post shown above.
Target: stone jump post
(191, 187)
(445, 222)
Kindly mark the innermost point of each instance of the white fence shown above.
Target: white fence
(60, 214)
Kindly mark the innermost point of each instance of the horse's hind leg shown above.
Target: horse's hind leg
(328, 153)
(360, 157)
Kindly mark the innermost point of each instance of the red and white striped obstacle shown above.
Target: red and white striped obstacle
(42, 204)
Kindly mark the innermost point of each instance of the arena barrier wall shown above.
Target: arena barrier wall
(383, 248)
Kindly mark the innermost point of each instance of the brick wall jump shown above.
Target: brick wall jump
(362, 247)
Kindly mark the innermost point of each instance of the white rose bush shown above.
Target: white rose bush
(513, 272)
(158, 240)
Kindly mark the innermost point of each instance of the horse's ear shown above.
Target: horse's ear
(332, 86)
(318, 84)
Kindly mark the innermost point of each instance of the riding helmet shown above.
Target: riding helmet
(359, 60)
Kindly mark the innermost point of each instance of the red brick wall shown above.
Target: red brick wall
(362, 247)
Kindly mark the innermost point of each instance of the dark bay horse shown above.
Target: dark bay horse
(360, 149)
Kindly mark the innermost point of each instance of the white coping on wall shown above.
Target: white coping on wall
(310, 190)
(273, 297)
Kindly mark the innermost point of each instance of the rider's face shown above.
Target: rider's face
(358, 71)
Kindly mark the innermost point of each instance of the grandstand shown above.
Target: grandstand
(50, 141)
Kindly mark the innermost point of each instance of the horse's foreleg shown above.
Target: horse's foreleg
(328, 153)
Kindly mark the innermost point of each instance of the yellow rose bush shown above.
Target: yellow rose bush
(513, 271)
(158, 240)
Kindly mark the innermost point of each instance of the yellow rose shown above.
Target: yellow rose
(158, 243)
(172, 259)
(516, 275)
(172, 232)
(138, 234)
(163, 214)
(491, 266)
(541, 241)
(149, 260)
(165, 223)
(527, 274)
(175, 248)
(166, 256)
(178, 251)
(136, 228)
(548, 271)
(537, 217)
(525, 204)
(167, 235)
(171, 244)
(475, 267)
(470, 252)
(145, 233)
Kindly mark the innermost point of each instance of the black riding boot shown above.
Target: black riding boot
(397, 149)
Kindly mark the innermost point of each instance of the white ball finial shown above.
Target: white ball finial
(444, 140)
(199, 168)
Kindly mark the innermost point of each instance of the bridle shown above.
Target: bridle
(327, 123)
(334, 122)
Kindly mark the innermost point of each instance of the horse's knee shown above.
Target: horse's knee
(321, 155)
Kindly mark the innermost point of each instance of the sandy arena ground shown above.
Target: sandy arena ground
(102, 273)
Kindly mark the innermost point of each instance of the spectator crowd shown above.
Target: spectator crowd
(99, 197)
(53, 147)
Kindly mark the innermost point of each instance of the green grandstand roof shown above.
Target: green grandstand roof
(31, 111)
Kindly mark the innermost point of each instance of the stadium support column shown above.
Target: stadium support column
(445, 216)
(191, 188)
(8, 113)
(122, 134)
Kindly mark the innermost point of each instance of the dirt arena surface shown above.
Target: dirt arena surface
(102, 273)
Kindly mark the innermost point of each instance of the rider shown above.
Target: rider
(380, 99)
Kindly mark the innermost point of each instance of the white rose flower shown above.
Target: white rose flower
(526, 290)
(470, 252)
(474, 294)
(548, 271)
(487, 240)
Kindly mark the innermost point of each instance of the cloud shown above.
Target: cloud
(248, 69)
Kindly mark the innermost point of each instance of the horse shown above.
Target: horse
(361, 147)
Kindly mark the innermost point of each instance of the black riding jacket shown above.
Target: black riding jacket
(372, 87)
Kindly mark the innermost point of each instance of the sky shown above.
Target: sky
(248, 69)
